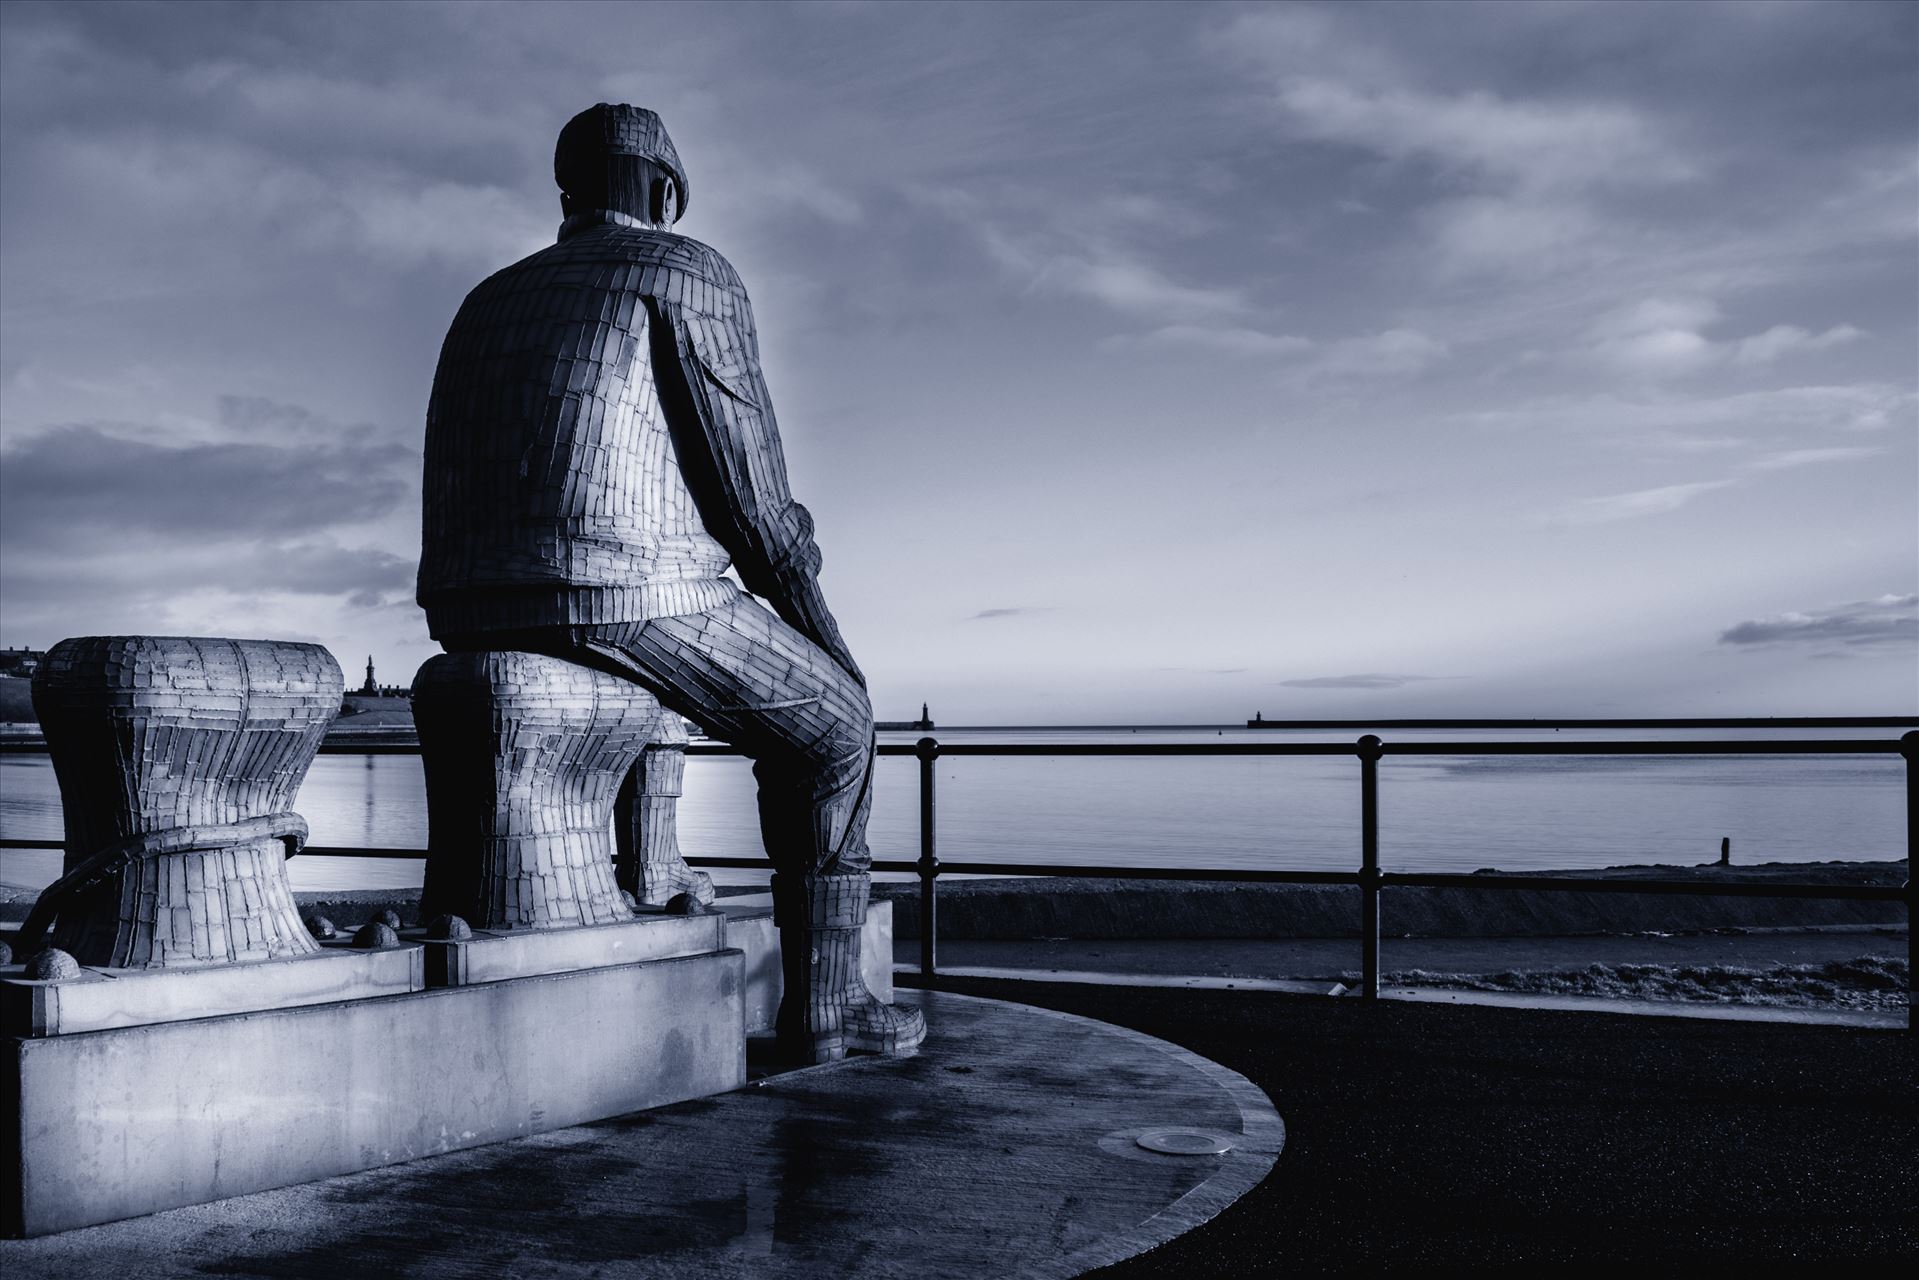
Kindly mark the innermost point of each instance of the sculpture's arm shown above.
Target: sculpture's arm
(717, 407)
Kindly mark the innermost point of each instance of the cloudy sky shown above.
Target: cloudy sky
(1138, 363)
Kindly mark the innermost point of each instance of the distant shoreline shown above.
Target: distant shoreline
(388, 715)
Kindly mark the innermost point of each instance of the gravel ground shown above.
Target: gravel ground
(1330, 957)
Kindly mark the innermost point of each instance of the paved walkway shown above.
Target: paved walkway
(1008, 1147)
(1424, 1139)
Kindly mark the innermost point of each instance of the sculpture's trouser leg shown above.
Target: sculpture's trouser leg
(826, 1008)
(747, 677)
(646, 824)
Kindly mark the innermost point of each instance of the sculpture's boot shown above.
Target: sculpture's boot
(826, 1009)
(646, 827)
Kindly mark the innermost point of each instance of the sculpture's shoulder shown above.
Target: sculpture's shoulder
(672, 264)
(614, 259)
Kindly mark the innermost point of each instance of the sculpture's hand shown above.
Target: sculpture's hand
(804, 607)
(836, 649)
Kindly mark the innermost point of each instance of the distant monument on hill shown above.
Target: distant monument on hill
(372, 688)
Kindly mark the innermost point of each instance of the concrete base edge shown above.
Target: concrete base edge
(115, 1123)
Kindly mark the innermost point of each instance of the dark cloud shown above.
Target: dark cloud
(82, 479)
(257, 414)
(271, 503)
(368, 576)
(1364, 680)
(1018, 611)
(1891, 621)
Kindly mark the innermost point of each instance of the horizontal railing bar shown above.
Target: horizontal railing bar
(1257, 875)
(1725, 747)
(1124, 749)
(1247, 875)
(348, 747)
(1664, 722)
(313, 850)
(1361, 726)
(1550, 747)
(1732, 746)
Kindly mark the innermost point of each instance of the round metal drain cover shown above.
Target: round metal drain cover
(1185, 1142)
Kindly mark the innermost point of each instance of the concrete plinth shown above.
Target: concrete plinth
(749, 926)
(494, 957)
(102, 1125)
(1007, 1148)
(101, 999)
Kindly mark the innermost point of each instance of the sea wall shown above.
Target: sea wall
(1111, 909)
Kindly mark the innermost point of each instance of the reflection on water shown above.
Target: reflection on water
(1436, 813)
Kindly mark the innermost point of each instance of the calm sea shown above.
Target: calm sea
(1436, 813)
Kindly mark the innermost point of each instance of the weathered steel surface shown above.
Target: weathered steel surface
(600, 448)
(648, 863)
(524, 755)
(178, 760)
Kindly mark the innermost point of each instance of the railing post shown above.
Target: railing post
(1370, 749)
(928, 749)
(1909, 748)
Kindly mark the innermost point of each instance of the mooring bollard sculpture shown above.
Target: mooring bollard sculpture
(178, 760)
(600, 446)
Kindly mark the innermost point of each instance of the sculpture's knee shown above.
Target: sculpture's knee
(524, 757)
(862, 716)
(848, 743)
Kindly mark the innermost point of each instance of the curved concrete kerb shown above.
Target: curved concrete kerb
(1225, 1176)
(1008, 1146)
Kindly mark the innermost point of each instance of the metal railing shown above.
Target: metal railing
(1370, 878)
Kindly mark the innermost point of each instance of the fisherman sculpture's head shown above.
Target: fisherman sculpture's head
(616, 157)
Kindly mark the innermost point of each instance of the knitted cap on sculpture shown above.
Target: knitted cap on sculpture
(588, 162)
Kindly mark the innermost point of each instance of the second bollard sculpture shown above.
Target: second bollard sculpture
(524, 756)
(600, 446)
(178, 760)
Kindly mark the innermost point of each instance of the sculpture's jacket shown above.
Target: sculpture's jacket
(600, 442)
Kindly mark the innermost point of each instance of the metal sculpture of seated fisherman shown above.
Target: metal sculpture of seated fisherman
(600, 447)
